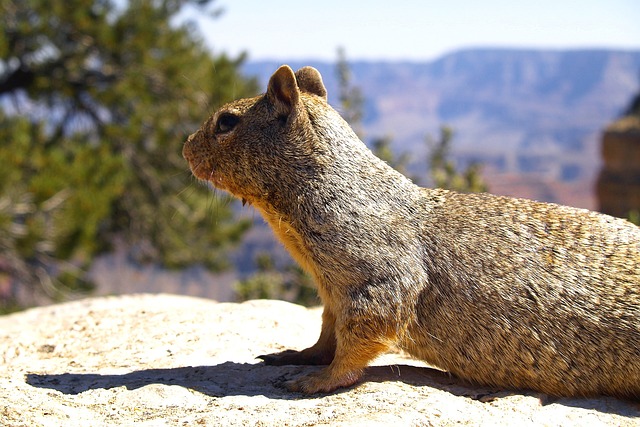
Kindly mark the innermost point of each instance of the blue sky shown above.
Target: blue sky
(416, 30)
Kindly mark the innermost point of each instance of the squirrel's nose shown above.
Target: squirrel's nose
(186, 148)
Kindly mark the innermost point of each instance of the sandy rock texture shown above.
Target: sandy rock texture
(163, 360)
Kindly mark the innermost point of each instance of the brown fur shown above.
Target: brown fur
(500, 291)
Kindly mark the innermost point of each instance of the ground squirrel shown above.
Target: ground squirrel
(499, 291)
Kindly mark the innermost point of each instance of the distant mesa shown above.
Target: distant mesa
(533, 118)
(618, 188)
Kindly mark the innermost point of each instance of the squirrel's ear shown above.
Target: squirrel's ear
(310, 81)
(283, 91)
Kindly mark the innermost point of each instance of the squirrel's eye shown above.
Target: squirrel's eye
(226, 122)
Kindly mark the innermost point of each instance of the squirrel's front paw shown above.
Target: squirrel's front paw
(322, 382)
(293, 357)
(287, 357)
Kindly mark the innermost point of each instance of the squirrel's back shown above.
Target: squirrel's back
(531, 294)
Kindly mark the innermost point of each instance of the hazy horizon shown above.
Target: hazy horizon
(448, 53)
(414, 30)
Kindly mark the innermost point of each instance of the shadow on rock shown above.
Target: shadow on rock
(231, 379)
(225, 379)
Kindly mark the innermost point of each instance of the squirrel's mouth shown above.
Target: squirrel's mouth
(200, 168)
(199, 164)
(206, 172)
(203, 168)
(202, 171)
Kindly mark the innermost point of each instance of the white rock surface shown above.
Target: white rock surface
(163, 360)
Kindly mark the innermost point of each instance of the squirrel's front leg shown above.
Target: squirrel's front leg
(321, 353)
(353, 353)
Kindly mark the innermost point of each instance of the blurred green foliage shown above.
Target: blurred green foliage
(289, 283)
(96, 98)
(350, 95)
(443, 170)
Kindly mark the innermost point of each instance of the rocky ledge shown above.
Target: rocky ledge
(155, 360)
